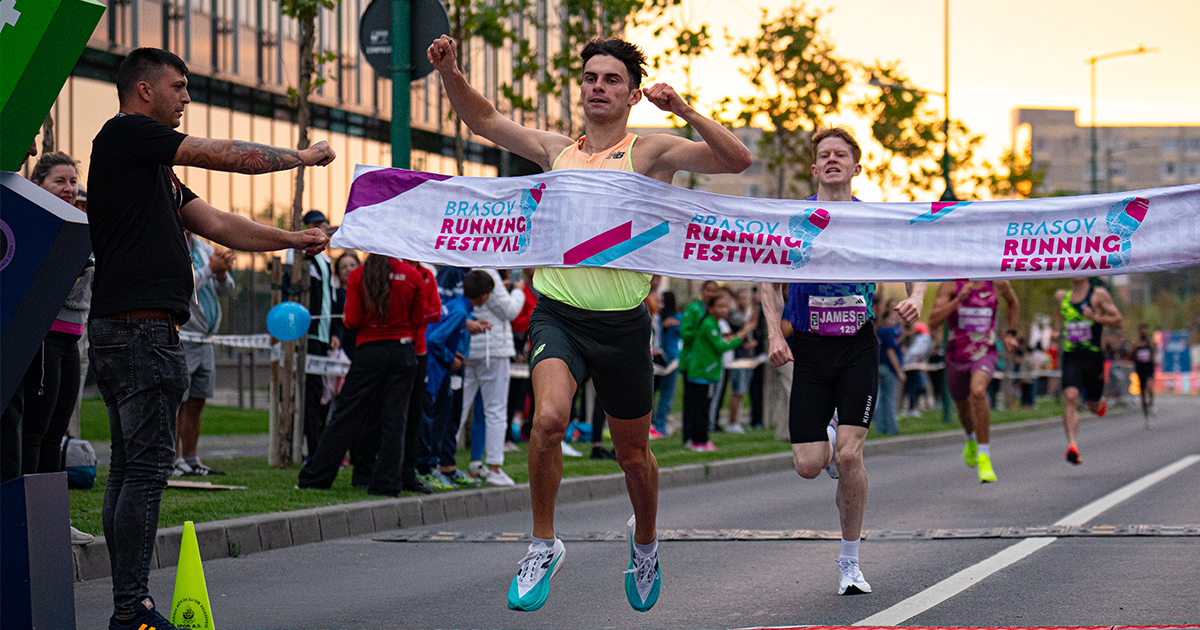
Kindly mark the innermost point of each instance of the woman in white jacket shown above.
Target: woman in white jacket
(486, 372)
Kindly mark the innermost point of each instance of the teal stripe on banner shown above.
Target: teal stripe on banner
(633, 244)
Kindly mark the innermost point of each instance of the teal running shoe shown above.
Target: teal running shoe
(643, 580)
(532, 584)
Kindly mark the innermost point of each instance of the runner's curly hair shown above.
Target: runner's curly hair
(629, 54)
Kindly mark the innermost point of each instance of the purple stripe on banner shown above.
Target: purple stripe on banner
(384, 184)
(597, 244)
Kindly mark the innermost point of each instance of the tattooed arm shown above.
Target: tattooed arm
(248, 157)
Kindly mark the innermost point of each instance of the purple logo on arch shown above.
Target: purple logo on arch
(384, 184)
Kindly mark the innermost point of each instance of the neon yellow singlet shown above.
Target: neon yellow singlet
(595, 288)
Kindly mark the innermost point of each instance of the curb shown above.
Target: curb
(277, 530)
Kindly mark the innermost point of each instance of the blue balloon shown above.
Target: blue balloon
(288, 321)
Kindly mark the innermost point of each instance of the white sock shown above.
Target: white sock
(645, 550)
(971, 437)
(545, 542)
(849, 549)
(985, 449)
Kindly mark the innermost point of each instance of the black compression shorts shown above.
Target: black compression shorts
(1085, 371)
(613, 347)
(833, 372)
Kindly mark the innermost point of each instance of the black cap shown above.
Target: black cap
(313, 216)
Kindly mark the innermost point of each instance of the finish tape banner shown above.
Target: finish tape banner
(624, 220)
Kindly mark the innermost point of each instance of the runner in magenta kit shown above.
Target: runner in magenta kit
(837, 361)
(971, 357)
(591, 321)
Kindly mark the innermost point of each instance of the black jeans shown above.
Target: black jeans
(51, 385)
(380, 382)
(142, 374)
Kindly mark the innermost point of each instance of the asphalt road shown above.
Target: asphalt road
(359, 583)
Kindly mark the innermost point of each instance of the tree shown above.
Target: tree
(912, 135)
(690, 45)
(305, 12)
(1021, 179)
(490, 22)
(798, 82)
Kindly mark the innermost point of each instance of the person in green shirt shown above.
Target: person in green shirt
(688, 326)
(703, 369)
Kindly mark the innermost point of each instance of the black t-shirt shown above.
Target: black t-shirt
(134, 202)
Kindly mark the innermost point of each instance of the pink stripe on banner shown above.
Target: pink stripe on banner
(597, 244)
(384, 184)
(938, 206)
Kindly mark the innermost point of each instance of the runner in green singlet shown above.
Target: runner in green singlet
(1083, 313)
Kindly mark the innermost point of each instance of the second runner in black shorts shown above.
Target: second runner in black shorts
(833, 372)
(613, 347)
(1085, 371)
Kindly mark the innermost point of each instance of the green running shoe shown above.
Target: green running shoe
(971, 453)
(986, 474)
(643, 581)
(530, 588)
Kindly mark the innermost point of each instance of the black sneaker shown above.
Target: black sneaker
(599, 452)
(416, 486)
(146, 619)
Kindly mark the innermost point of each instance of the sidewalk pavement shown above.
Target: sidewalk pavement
(276, 530)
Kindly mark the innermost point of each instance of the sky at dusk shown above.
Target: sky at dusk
(1003, 55)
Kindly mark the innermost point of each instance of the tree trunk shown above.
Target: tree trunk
(460, 156)
(294, 354)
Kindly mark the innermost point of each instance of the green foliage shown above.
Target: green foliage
(303, 10)
(1021, 179)
(798, 81)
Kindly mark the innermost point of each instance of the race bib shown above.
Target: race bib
(1079, 332)
(837, 315)
(976, 319)
(1143, 355)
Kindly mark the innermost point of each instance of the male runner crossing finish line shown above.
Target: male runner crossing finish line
(837, 366)
(591, 320)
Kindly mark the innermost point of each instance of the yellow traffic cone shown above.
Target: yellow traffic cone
(189, 606)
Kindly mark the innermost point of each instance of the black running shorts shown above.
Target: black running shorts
(833, 372)
(613, 347)
(1085, 371)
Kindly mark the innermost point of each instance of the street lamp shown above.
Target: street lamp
(1092, 62)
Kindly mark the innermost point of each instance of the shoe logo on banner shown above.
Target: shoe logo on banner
(806, 228)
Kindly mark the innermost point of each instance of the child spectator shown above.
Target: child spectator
(704, 369)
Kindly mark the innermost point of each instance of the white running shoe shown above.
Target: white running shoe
(497, 478)
(569, 450)
(831, 469)
(477, 469)
(851, 581)
(735, 428)
(80, 538)
(529, 589)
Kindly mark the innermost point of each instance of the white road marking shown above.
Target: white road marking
(972, 575)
